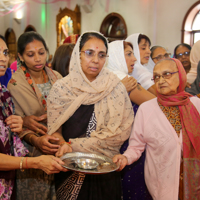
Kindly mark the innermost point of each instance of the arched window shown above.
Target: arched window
(196, 27)
(114, 27)
(68, 22)
(191, 25)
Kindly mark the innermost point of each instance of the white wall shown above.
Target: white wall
(161, 20)
(170, 15)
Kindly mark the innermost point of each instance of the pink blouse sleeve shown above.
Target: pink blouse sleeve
(136, 141)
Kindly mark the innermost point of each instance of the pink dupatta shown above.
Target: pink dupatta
(190, 121)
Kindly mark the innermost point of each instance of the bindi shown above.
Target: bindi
(96, 47)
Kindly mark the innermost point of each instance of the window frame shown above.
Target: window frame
(187, 35)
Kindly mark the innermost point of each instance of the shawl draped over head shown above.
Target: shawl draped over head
(112, 107)
(116, 60)
(195, 87)
(190, 121)
(141, 72)
(194, 59)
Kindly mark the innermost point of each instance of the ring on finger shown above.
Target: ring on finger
(38, 130)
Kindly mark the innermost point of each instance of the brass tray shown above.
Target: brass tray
(88, 163)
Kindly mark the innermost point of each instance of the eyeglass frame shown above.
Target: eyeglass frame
(164, 77)
(169, 54)
(92, 56)
(180, 55)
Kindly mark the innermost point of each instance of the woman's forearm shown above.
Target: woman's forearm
(48, 164)
(139, 95)
(152, 89)
(12, 163)
(31, 139)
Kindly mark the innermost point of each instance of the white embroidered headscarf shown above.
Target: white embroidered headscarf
(112, 107)
(116, 61)
(194, 59)
(140, 72)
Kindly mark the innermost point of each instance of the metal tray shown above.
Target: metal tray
(103, 164)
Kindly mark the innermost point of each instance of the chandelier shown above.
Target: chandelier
(8, 5)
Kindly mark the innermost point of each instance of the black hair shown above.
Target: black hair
(86, 36)
(62, 58)
(141, 36)
(154, 48)
(28, 37)
(127, 44)
(182, 44)
(3, 38)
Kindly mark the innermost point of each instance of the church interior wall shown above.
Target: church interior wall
(159, 19)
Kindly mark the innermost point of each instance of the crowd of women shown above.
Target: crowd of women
(87, 102)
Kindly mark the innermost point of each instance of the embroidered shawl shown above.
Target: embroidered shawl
(26, 95)
(112, 106)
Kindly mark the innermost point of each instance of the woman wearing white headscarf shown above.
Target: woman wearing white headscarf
(144, 65)
(122, 62)
(194, 59)
(90, 109)
(119, 53)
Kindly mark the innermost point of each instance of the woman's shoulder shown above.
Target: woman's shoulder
(16, 79)
(63, 82)
(149, 104)
(58, 75)
(148, 108)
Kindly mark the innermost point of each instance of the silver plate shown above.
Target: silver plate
(105, 164)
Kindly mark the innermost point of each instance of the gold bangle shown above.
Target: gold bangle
(20, 165)
(29, 139)
(68, 143)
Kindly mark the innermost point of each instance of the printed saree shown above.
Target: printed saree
(10, 143)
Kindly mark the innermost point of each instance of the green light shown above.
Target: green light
(43, 16)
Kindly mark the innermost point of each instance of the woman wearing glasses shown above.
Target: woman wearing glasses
(158, 53)
(90, 109)
(182, 53)
(168, 128)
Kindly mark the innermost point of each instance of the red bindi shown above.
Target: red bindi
(96, 47)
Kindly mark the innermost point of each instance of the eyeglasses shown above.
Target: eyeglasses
(165, 75)
(160, 57)
(180, 55)
(91, 53)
